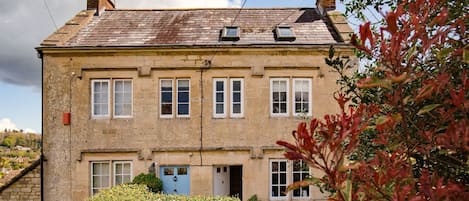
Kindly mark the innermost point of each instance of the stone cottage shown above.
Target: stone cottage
(201, 95)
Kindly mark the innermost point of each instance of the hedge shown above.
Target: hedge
(138, 192)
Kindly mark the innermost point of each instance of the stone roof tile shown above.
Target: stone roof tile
(202, 26)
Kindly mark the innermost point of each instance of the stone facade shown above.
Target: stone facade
(24, 187)
(201, 141)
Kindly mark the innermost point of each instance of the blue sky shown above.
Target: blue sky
(20, 77)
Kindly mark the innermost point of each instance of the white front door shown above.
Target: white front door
(221, 180)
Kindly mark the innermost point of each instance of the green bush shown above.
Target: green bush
(153, 183)
(124, 192)
(253, 198)
(139, 192)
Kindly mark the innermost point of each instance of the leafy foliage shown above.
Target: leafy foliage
(407, 130)
(153, 183)
(136, 192)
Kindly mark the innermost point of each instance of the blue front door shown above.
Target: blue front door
(175, 179)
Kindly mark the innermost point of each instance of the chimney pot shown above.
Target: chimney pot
(99, 5)
(325, 5)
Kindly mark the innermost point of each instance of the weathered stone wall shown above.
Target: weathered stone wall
(25, 187)
(146, 137)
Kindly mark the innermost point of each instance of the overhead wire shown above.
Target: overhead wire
(236, 17)
(232, 22)
(50, 14)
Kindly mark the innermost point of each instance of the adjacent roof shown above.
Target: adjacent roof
(192, 27)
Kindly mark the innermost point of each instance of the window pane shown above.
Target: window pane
(285, 31)
(219, 97)
(236, 85)
(97, 109)
(105, 168)
(166, 97)
(237, 97)
(283, 86)
(126, 179)
(127, 168)
(274, 178)
(166, 109)
(305, 96)
(166, 85)
(219, 109)
(119, 98)
(168, 171)
(283, 108)
(283, 178)
(183, 109)
(231, 31)
(123, 97)
(119, 86)
(276, 108)
(183, 97)
(236, 108)
(283, 166)
(182, 171)
(282, 190)
(220, 86)
(105, 182)
(305, 107)
(275, 97)
(118, 168)
(96, 181)
(274, 166)
(298, 96)
(100, 98)
(118, 180)
(296, 177)
(183, 85)
(296, 192)
(283, 96)
(127, 85)
(275, 191)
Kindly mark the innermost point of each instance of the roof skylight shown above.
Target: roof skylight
(230, 33)
(284, 33)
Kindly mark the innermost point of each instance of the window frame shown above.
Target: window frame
(310, 96)
(282, 37)
(226, 37)
(278, 172)
(114, 99)
(241, 114)
(225, 97)
(93, 82)
(177, 99)
(114, 172)
(301, 172)
(92, 175)
(286, 114)
(161, 99)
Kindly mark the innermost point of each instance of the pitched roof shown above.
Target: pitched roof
(196, 27)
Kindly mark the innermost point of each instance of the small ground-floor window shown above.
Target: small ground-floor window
(103, 176)
(283, 173)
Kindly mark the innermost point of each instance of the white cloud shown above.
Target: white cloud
(28, 130)
(178, 4)
(6, 123)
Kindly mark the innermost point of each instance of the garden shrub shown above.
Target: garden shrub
(150, 180)
(139, 192)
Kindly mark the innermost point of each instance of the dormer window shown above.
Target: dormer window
(284, 33)
(230, 33)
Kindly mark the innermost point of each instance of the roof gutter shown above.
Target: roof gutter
(193, 47)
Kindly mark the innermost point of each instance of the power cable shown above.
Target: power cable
(50, 14)
(209, 61)
(240, 9)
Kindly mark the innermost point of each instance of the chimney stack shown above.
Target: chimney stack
(325, 5)
(99, 5)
